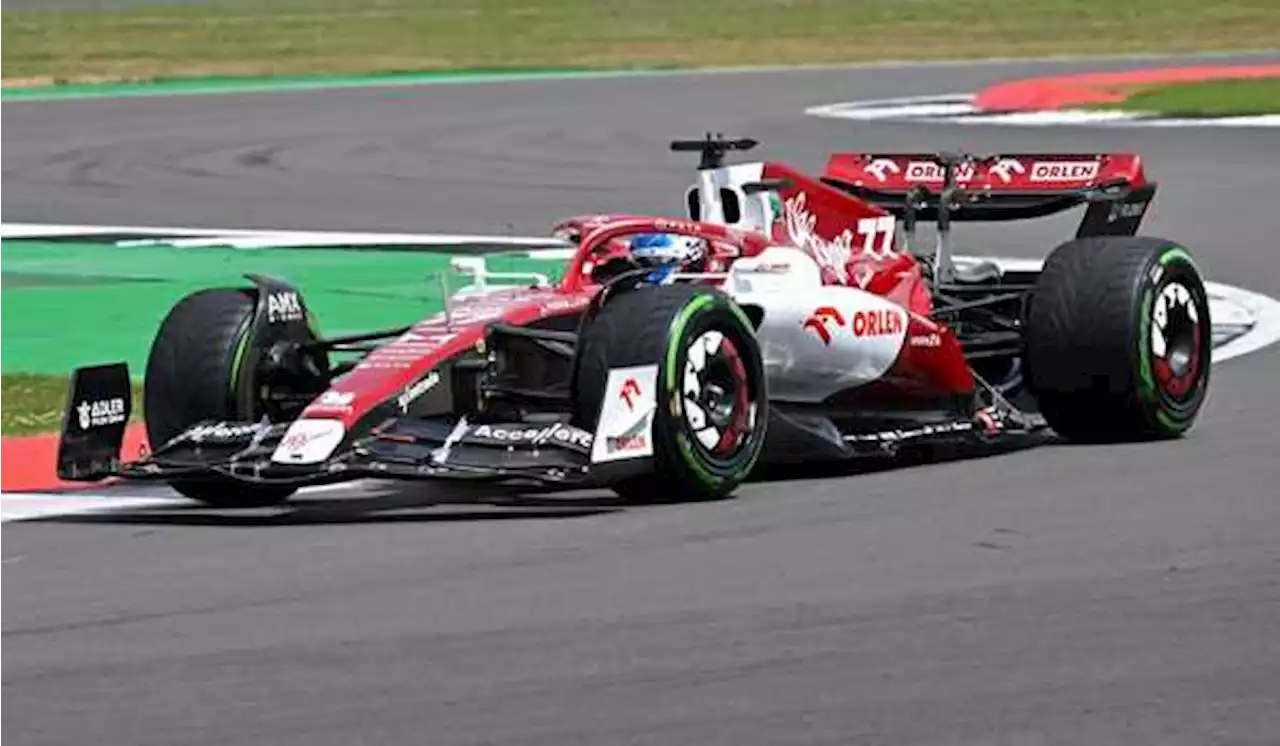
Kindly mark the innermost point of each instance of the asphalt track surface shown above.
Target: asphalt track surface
(1065, 595)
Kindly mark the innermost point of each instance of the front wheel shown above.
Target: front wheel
(1119, 341)
(711, 406)
(197, 371)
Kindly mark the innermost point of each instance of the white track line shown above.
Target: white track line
(21, 506)
(1265, 313)
(958, 108)
(903, 107)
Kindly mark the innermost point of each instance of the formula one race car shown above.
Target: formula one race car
(786, 319)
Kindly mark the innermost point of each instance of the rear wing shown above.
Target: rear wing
(1014, 186)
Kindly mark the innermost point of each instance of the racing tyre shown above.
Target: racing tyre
(711, 409)
(195, 372)
(1119, 339)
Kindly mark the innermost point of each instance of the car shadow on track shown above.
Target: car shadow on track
(906, 458)
(445, 502)
(373, 503)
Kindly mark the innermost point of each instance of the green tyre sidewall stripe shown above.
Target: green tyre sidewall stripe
(738, 467)
(1165, 416)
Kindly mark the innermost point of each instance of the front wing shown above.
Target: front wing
(544, 449)
(553, 452)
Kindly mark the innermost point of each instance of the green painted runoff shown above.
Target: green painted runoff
(72, 304)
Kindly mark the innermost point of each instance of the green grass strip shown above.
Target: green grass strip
(34, 403)
(282, 38)
(1215, 98)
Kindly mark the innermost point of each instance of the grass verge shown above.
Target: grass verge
(129, 41)
(1213, 98)
(34, 404)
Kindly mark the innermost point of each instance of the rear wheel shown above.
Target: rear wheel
(198, 370)
(1118, 339)
(709, 424)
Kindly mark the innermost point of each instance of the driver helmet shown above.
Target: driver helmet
(656, 249)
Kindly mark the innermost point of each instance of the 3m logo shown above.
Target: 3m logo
(1063, 170)
(630, 388)
(820, 321)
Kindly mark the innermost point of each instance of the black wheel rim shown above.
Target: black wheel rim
(718, 401)
(1177, 342)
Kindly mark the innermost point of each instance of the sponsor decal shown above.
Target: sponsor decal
(633, 440)
(1005, 168)
(876, 322)
(409, 347)
(836, 254)
(764, 268)
(284, 307)
(557, 433)
(930, 171)
(801, 228)
(882, 167)
(1063, 170)
(677, 226)
(481, 308)
(630, 390)
(864, 323)
(371, 363)
(891, 436)
(424, 338)
(101, 413)
(1126, 210)
(224, 432)
(308, 442)
(556, 305)
(926, 340)
(820, 321)
(626, 415)
(417, 389)
(337, 399)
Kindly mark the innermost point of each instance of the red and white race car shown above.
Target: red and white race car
(784, 318)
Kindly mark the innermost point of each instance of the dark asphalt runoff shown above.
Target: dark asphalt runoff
(1066, 595)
